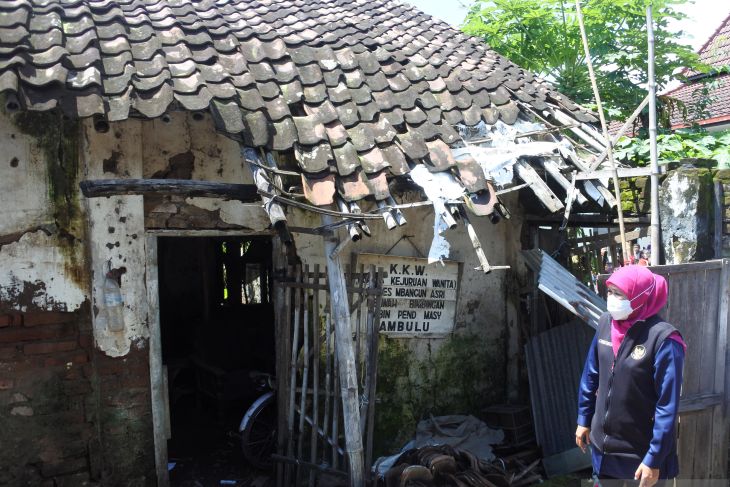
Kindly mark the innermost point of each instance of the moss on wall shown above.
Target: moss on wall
(463, 376)
(58, 140)
(635, 195)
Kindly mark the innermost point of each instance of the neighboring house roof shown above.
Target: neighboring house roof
(352, 86)
(716, 53)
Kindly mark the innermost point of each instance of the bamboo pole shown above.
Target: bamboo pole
(604, 127)
(620, 133)
(655, 227)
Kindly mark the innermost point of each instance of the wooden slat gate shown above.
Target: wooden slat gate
(311, 424)
(698, 305)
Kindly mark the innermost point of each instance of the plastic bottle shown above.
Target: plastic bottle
(114, 304)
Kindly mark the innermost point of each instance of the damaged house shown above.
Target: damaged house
(198, 193)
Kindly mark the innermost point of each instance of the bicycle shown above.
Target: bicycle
(258, 428)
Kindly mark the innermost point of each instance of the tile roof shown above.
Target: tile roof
(690, 94)
(715, 53)
(354, 87)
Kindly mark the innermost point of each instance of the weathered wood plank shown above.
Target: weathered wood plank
(282, 337)
(721, 422)
(316, 337)
(346, 360)
(623, 172)
(719, 207)
(698, 402)
(553, 170)
(538, 186)
(157, 389)
(94, 188)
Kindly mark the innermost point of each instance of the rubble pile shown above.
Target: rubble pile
(443, 465)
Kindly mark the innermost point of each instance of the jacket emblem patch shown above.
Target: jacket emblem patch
(638, 352)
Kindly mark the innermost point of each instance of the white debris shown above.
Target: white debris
(440, 188)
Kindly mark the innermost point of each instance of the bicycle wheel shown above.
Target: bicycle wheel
(258, 431)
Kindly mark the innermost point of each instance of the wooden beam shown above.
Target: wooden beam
(94, 188)
(483, 262)
(526, 173)
(345, 357)
(596, 238)
(615, 239)
(718, 207)
(553, 170)
(623, 172)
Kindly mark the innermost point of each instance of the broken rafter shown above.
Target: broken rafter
(483, 262)
(552, 168)
(539, 187)
(93, 188)
(623, 172)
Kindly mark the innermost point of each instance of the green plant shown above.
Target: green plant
(675, 146)
(543, 36)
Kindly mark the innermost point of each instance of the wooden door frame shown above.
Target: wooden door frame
(158, 386)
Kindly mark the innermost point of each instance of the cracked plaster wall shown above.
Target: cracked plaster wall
(116, 233)
(475, 367)
(182, 148)
(188, 148)
(38, 269)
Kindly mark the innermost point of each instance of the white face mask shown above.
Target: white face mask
(620, 309)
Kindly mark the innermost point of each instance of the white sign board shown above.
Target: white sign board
(419, 299)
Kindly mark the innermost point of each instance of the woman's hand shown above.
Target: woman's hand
(646, 476)
(582, 437)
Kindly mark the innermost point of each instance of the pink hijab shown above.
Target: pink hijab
(648, 294)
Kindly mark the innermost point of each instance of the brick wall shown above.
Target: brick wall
(46, 400)
(126, 443)
(70, 415)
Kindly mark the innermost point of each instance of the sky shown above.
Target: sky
(704, 16)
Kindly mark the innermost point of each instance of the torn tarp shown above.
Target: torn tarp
(440, 188)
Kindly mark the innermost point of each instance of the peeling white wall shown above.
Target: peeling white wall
(116, 233)
(23, 180)
(35, 267)
(481, 308)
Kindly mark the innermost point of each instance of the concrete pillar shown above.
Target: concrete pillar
(687, 215)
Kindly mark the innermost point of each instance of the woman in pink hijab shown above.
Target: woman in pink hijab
(629, 392)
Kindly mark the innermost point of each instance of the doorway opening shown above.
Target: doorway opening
(217, 338)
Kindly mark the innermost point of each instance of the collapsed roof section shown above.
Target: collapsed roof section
(360, 91)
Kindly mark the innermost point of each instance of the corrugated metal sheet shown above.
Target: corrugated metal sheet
(558, 283)
(555, 361)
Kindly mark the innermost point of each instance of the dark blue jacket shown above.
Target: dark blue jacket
(635, 422)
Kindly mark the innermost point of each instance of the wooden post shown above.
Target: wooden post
(157, 389)
(717, 243)
(282, 333)
(345, 357)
